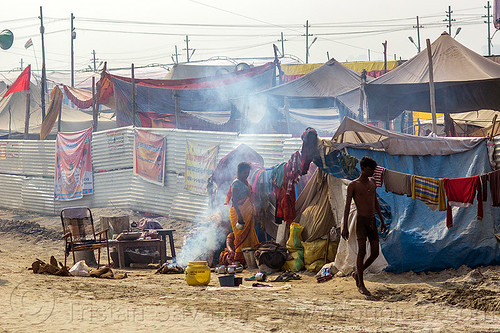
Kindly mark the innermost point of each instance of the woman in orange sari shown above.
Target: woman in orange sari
(242, 212)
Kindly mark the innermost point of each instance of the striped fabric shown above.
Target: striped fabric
(429, 190)
(377, 175)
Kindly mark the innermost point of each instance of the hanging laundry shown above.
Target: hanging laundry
(338, 164)
(484, 186)
(494, 178)
(397, 182)
(377, 175)
(429, 190)
(460, 192)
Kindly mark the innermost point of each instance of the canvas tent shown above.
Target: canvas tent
(13, 115)
(418, 239)
(464, 81)
(310, 99)
(473, 123)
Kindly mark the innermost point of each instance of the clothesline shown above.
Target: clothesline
(441, 193)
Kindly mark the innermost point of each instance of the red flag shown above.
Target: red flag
(22, 82)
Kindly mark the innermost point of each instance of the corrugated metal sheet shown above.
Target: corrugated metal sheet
(496, 154)
(27, 182)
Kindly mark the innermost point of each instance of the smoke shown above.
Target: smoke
(205, 237)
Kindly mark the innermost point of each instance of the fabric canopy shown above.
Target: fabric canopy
(202, 94)
(352, 133)
(324, 120)
(329, 80)
(464, 81)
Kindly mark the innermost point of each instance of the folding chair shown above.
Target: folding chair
(79, 233)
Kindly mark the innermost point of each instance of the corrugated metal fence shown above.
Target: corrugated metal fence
(27, 171)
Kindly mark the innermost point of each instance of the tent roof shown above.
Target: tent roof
(329, 80)
(464, 81)
(352, 133)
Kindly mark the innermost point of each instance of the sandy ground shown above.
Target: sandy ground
(453, 300)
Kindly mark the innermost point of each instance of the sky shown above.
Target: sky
(146, 32)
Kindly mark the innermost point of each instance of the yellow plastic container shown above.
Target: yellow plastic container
(198, 273)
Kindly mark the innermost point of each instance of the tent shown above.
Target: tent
(464, 81)
(418, 239)
(310, 100)
(473, 123)
(13, 115)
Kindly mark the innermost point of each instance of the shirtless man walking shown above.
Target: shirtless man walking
(363, 191)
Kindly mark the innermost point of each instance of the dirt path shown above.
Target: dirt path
(449, 301)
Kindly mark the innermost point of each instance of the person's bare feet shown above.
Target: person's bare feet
(363, 291)
(355, 277)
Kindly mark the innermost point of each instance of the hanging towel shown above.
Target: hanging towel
(377, 175)
(429, 190)
(460, 192)
(494, 178)
(397, 182)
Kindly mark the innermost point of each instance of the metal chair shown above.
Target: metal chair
(79, 233)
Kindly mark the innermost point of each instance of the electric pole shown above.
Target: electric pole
(449, 19)
(307, 40)
(488, 15)
(187, 48)
(176, 55)
(282, 40)
(42, 30)
(418, 26)
(73, 36)
(93, 54)
(22, 67)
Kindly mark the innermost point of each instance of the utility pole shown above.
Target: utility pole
(93, 53)
(488, 15)
(369, 57)
(22, 64)
(176, 55)
(418, 26)
(307, 40)
(73, 36)
(187, 48)
(282, 40)
(449, 19)
(42, 30)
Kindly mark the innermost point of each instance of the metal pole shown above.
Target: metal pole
(431, 87)
(176, 109)
(133, 96)
(385, 56)
(489, 32)
(27, 118)
(187, 48)
(93, 53)
(42, 30)
(282, 46)
(307, 42)
(418, 35)
(176, 55)
(73, 36)
(369, 58)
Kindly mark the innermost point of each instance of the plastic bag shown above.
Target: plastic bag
(80, 269)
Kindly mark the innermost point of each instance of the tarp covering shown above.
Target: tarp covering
(418, 239)
(464, 81)
(353, 132)
(373, 68)
(203, 94)
(324, 120)
(189, 70)
(329, 80)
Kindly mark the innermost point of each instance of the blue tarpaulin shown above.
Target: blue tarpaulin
(418, 239)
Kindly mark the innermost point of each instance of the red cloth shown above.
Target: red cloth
(461, 192)
(22, 82)
(377, 175)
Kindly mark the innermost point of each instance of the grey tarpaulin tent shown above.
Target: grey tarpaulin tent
(464, 81)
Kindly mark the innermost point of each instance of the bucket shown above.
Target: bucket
(249, 254)
(198, 273)
(227, 280)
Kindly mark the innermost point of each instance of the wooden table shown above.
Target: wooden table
(122, 245)
(164, 233)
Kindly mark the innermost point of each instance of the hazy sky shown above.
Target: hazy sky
(146, 32)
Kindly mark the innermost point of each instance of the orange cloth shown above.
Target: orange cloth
(246, 237)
